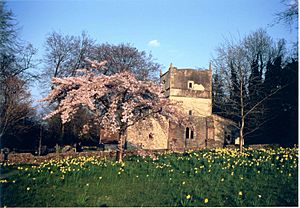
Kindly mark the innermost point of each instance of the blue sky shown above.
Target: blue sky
(184, 32)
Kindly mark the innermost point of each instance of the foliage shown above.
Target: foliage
(114, 102)
(15, 62)
(65, 54)
(284, 105)
(242, 77)
(125, 57)
(218, 177)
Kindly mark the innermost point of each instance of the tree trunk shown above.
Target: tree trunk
(119, 155)
(242, 114)
(1, 142)
(40, 141)
(62, 133)
(241, 141)
(99, 136)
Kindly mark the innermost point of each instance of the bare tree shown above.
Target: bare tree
(65, 54)
(16, 57)
(289, 16)
(16, 60)
(240, 66)
(15, 107)
(125, 57)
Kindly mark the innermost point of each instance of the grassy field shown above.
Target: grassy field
(218, 177)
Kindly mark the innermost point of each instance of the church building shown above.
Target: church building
(193, 89)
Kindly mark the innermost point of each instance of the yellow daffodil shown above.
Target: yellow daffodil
(206, 200)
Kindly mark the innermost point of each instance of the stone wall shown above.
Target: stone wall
(178, 138)
(223, 128)
(149, 134)
(198, 106)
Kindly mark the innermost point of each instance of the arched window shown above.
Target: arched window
(189, 134)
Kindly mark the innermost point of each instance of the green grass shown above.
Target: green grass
(265, 177)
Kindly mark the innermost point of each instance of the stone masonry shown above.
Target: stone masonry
(193, 89)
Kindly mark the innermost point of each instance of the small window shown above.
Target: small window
(151, 135)
(190, 84)
(190, 112)
(187, 133)
(192, 134)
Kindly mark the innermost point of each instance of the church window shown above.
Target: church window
(190, 84)
(189, 134)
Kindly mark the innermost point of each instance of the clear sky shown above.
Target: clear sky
(184, 32)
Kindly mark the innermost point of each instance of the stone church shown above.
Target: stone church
(193, 89)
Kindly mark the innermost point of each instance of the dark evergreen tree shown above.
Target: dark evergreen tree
(282, 108)
(233, 102)
(218, 94)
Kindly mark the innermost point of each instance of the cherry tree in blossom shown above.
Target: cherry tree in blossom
(115, 102)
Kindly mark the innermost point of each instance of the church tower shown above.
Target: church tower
(193, 89)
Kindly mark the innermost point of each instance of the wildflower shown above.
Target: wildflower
(206, 200)
(27, 188)
(240, 193)
(232, 173)
(188, 196)
(222, 179)
(87, 184)
(183, 182)
(259, 196)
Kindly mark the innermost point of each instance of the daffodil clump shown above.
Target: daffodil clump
(216, 177)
